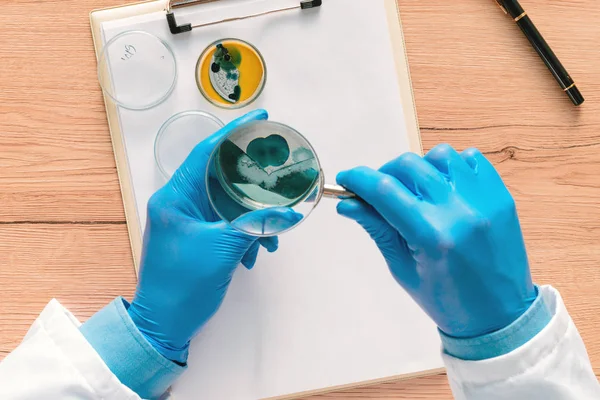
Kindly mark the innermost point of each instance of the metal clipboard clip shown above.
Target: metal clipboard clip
(176, 29)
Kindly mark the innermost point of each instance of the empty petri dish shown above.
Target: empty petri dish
(231, 73)
(137, 70)
(264, 178)
(179, 135)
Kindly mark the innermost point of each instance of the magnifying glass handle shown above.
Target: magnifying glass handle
(337, 192)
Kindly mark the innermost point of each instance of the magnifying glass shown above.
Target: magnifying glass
(265, 179)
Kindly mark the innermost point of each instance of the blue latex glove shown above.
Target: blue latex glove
(448, 229)
(189, 256)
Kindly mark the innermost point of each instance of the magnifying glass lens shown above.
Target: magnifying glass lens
(264, 178)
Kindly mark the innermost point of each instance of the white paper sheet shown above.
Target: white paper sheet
(324, 310)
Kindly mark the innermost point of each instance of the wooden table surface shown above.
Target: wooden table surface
(477, 82)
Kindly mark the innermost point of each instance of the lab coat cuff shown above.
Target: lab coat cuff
(504, 341)
(126, 352)
(522, 359)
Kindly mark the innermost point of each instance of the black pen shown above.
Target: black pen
(515, 10)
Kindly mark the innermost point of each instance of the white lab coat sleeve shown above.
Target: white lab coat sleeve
(55, 361)
(553, 365)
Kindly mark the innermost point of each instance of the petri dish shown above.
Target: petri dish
(137, 70)
(178, 136)
(264, 178)
(231, 73)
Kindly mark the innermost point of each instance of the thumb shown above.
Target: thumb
(197, 161)
(388, 240)
(190, 177)
(377, 227)
(244, 246)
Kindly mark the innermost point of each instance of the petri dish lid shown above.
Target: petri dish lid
(179, 135)
(137, 70)
(264, 178)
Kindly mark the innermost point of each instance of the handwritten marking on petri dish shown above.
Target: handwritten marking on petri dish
(129, 52)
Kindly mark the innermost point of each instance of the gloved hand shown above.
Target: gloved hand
(448, 229)
(189, 255)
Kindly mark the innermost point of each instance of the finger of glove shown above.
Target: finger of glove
(249, 259)
(391, 244)
(388, 196)
(270, 243)
(478, 162)
(484, 169)
(418, 175)
(230, 243)
(448, 162)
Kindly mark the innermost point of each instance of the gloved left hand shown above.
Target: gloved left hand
(189, 255)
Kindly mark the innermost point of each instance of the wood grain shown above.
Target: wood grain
(83, 266)
(477, 82)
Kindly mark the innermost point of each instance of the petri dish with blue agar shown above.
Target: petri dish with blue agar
(265, 178)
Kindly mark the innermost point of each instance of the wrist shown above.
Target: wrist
(150, 330)
(130, 357)
(502, 341)
(488, 312)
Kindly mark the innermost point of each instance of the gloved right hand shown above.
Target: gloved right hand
(448, 229)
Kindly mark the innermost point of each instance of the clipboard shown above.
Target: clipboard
(179, 25)
(171, 8)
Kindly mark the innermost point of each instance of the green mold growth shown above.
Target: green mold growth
(260, 178)
(227, 59)
(224, 73)
(272, 151)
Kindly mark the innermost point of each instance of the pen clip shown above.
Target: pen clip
(499, 2)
